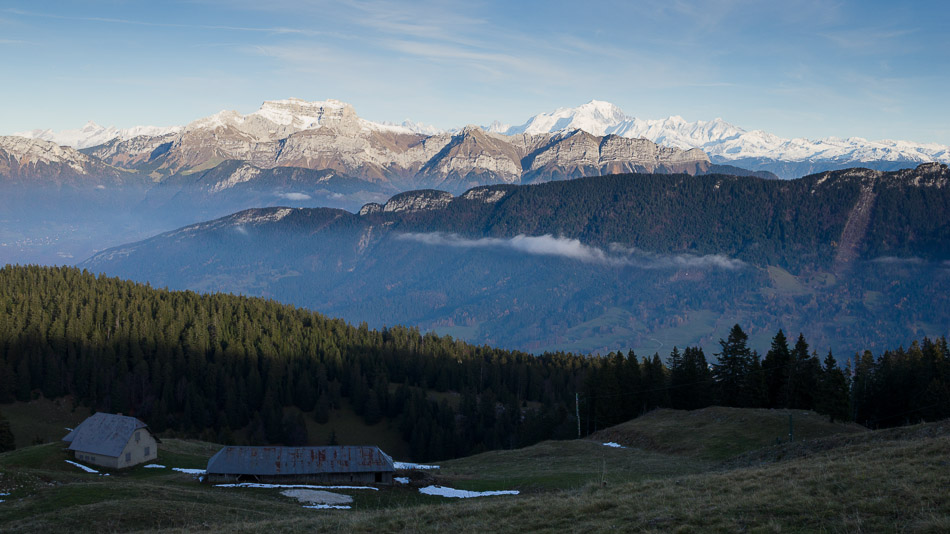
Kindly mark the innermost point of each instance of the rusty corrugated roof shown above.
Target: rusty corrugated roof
(298, 460)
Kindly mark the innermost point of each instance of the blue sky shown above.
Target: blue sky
(797, 69)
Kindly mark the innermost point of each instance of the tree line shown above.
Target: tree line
(233, 369)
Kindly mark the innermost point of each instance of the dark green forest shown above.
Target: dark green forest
(211, 365)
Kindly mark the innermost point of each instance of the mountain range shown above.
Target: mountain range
(60, 203)
(854, 259)
(724, 143)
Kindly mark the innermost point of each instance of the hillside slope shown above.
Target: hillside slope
(872, 481)
(641, 261)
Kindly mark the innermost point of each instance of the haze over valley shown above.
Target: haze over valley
(476, 267)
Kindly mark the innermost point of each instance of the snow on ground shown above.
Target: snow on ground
(84, 468)
(289, 486)
(408, 465)
(442, 491)
(614, 445)
(188, 471)
(3, 495)
(401, 480)
(312, 497)
(154, 466)
(327, 507)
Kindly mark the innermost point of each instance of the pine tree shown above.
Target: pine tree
(7, 441)
(777, 367)
(732, 369)
(832, 399)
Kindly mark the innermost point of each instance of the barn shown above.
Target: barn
(112, 440)
(281, 465)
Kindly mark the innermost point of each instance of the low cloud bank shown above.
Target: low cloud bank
(548, 245)
(294, 196)
(893, 260)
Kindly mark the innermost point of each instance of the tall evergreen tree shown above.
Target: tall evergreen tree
(732, 369)
(832, 398)
(7, 441)
(777, 367)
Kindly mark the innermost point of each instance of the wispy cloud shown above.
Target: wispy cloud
(132, 22)
(547, 245)
(894, 260)
(294, 196)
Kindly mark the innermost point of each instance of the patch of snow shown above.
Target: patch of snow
(408, 465)
(189, 471)
(442, 491)
(290, 486)
(312, 497)
(92, 134)
(327, 507)
(401, 480)
(154, 466)
(614, 445)
(84, 468)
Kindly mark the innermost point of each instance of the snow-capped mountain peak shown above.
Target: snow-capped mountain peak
(596, 117)
(92, 134)
(726, 143)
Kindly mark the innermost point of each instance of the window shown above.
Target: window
(137, 436)
(128, 457)
(148, 451)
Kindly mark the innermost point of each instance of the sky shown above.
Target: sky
(878, 70)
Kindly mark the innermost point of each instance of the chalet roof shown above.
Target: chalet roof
(298, 460)
(103, 433)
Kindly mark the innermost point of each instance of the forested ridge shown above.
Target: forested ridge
(790, 223)
(211, 365)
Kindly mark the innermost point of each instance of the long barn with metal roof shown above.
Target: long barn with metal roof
(325, 465)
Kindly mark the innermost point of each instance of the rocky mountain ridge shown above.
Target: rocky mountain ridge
(330, 135)
(729, 144)
(388, 153)
(34, 161)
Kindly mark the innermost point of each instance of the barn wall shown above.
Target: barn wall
(364, 478)
(136, 449)
(98, 459)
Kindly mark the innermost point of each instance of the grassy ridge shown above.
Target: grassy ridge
(838, 480)
(717, 433)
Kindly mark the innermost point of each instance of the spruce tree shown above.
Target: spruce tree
(732, 368)
(7, 441)
(776, 367)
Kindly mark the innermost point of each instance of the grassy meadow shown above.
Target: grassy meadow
(717, 469)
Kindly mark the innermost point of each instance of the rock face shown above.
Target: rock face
(727, 144)
(38, 162)
(411, 201)
(330, 135)
(371, 208)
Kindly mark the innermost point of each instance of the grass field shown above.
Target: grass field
(716, 469)
(42, 420)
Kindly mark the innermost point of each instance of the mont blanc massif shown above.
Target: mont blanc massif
(582, 230)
